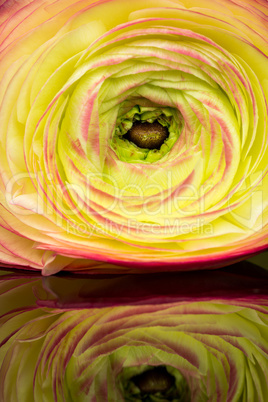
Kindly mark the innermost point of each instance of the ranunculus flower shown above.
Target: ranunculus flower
(195, 347)
(133, 133)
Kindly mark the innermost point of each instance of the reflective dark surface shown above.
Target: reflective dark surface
(66, 290)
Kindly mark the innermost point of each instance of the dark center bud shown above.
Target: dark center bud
(155, 380)
(147, 135)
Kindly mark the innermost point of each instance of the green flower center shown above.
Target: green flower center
(145, 134)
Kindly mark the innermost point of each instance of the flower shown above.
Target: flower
(133, 133)
(195, 348)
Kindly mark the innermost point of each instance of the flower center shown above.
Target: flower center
(153, 384)
(147, 135)
(154, 380)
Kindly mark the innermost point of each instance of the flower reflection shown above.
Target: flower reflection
(173, 337)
